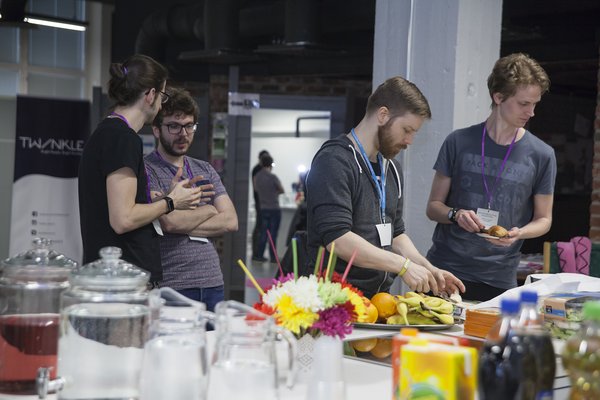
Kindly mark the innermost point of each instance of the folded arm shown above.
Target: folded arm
(205, 221)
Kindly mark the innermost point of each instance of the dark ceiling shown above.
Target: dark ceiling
(334, 37)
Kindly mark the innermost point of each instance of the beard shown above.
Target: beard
(387, 147)
(168, 147)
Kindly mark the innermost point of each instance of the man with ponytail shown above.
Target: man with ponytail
(114, 197)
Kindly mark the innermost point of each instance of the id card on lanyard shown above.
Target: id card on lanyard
(488, 216)
(384, 229)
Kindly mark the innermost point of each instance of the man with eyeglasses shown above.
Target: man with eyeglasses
(115, 207)
(190, 261)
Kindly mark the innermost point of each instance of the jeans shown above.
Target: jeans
(209, 296)
(270, 220)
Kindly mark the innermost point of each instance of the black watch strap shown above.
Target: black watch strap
(170, 204)
(452, 215)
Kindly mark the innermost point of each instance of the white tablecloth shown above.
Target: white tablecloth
(365, 381)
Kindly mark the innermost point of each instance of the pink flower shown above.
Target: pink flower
(334, 322)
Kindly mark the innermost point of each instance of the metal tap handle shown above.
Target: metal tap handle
(45, 385)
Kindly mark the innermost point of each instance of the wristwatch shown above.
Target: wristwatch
(170, 204)
(452, 215)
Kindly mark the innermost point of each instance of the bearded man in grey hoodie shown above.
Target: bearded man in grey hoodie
(354, 197)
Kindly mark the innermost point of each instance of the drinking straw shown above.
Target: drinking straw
(319, 262)
(256, 285)
(330, 260)
(275, 252)
(349, 265)
(332, 270)
(295, 258)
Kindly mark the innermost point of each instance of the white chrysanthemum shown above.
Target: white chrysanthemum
(304, 293)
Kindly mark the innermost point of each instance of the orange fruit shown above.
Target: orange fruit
(364, 345)
(382, 349)
(385, 304)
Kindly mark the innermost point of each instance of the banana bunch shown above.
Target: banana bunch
(420, 309)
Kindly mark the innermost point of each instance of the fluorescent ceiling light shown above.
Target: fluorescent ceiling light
(55, 24)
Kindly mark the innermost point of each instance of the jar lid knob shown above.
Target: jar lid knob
(110, 253)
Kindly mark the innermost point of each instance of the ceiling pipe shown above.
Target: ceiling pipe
(176, 21)
(221, 24)
(301, 21)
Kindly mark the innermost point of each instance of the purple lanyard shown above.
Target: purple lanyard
(186, 164)
(122, 118)
(489, 194)
(148, 196)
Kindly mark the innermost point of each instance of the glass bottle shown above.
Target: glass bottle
(581, 355)
(104, 321)
(30, 289)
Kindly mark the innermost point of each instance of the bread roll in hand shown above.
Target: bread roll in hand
(498, 231)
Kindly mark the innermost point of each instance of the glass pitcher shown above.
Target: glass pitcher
(175, 363)
(104, 322)
(244, 365)
(30, 288)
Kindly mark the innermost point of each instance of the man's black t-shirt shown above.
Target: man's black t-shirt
(112, 146)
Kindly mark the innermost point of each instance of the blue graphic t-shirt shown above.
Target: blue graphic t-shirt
(530, 170)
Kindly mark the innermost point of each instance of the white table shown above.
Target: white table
(364, 380)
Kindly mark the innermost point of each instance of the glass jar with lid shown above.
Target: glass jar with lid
(30, 287)
(104, 320)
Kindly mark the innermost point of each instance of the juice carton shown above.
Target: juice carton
(403, 338)
(437, 371)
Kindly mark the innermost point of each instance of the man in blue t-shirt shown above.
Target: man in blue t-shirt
(493, 173)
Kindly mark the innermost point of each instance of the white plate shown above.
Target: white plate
(485, 235)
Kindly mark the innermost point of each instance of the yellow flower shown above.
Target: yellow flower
(357, 302)
(292, 317)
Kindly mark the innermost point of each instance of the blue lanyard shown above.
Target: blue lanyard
(379, 184)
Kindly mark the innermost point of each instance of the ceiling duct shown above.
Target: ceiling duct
(302, 32)
(221, 35)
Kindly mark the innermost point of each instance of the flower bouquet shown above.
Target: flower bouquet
(319, 304)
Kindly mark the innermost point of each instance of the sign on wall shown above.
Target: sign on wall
(50, 136)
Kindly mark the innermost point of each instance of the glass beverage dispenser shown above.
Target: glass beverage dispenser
(104, 322)
(30, 288)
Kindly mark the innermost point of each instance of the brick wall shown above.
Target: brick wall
(301, 86)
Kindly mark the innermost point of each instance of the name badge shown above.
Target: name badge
(198, 239)
(488, 217)
(385, 234)
(157, 227)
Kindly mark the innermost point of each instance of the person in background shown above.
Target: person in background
(190, 261)
(256, 231)
(269, 188)
(114, 200)
(354, 196)
(493, 173)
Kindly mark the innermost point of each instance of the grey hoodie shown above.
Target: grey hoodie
(341, 197)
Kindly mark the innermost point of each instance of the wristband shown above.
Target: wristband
(170, 204)
(404, 267)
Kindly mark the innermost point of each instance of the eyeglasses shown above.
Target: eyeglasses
(164, 97)
(175, 129)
